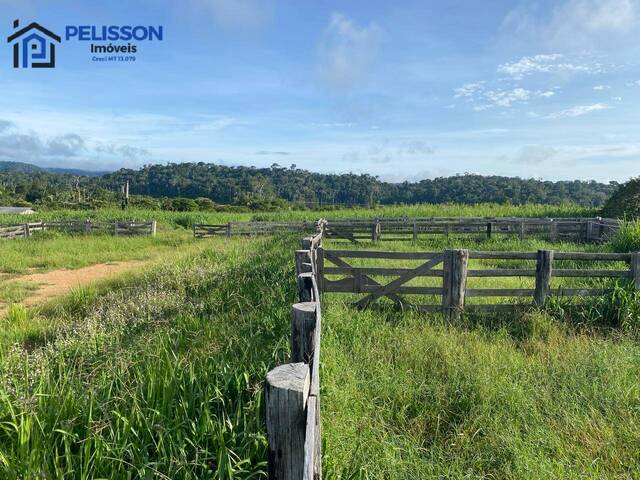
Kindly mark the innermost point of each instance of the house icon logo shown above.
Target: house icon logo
(33, 46)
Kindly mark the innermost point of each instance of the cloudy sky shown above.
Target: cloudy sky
(403, 90)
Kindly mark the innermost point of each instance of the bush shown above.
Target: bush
(181, 204)
(625, 201)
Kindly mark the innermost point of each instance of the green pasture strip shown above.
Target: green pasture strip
(406, 395)
(187, 219)
(159, 376)
(50, 251)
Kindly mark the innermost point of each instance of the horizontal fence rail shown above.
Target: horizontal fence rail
(26, 230)
(451, 270)
(590, 230)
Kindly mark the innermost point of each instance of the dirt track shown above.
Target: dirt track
(60, 282)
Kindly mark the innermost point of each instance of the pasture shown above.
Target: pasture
(159, 372)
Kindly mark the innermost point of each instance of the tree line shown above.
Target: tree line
(205, 184)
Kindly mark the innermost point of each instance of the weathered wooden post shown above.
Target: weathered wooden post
(544, 267)
(27, 231)
(553, 231)
(489, 228)
(303, 328)
(87, 226)
(320, 269)
(154, 228)
(635, 269)
(228, 229)
(115, 228)
(588, 231)
(375, 231)
(446, 230)
(304, 275)
(286, 393)
(415, 232)
(522, 230)
(454, 281)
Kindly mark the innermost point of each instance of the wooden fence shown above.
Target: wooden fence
(574, 229)
(25, 230)
(202, 230)
(592, 230)
(292, 391)
(451, 268)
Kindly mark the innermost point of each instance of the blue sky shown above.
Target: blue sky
(403, 90)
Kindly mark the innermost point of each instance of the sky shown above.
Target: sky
(403, 90)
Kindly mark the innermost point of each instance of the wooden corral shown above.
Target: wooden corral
(25, 230)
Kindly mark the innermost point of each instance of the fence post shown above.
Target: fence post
(320, 269)
(303, 327)
(588, 231)
(635, 269)
(154, 227)
(415, 232)
(115, 228)
(229, 229)
(454, 281)
(553, 232)
(375, 231)
(286, 393)
(489, 228)
(521, 230)
(27, 231)
(544, 269)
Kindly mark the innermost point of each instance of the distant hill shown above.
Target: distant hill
(240, 184)
(253, 187)
(77, 172)
(19, 167)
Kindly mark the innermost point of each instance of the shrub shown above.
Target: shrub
(625, 201)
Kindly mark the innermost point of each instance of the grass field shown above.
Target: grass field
(186, 219)
(538, 394)
(159, 373)
(158, 376)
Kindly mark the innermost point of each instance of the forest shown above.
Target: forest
(205, 185)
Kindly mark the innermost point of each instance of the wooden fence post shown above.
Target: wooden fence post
(553, 231)
(154, 228)
(454, 281)
(489, 228)
(588, 231)
(303, 328)
(415, 232)
(544, 267)
(320, 269)
(228, 229)
(27, 231)
(115, 228)
(286, 393)
(635, 269)
(522, 230)
(375, 231)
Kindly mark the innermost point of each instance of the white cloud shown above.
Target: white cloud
(70, 149)
(576, 24)
(547, 63)
(634, 84)
(484, 99)
(237, 14)
(601, 87)
(579, 110)
(347, 52)
(468, 89)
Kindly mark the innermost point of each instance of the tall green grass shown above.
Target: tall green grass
(160, 377)
(187, 219)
